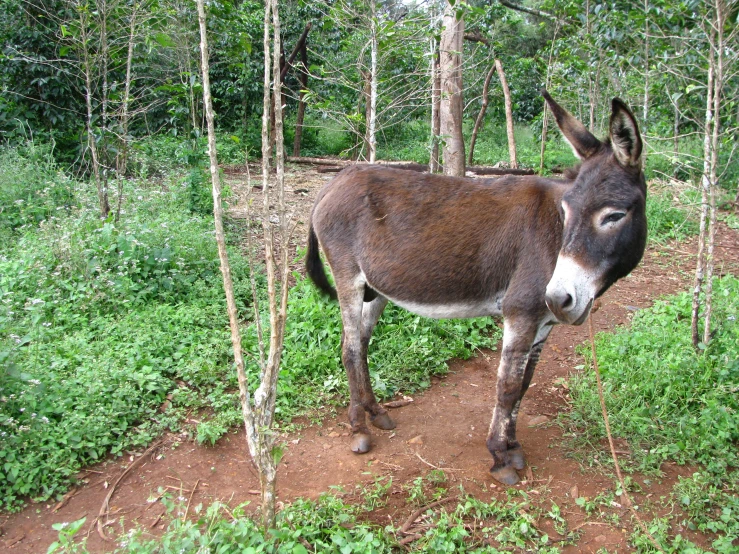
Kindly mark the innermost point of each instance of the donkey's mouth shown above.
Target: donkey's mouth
(568, 317)
(585, 314)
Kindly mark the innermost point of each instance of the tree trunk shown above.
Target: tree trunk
(720, 18)
(122, 165)
(545, 115)
(591, 92)
(645, 108)
(544, 132)
(301, 102)
(193, 100)
(705, 193)
(434, 162)
(103, 203)
(451, 107)
(366, 95)
(257, 420)
(508, 115)
(104, 116)
(299, 47)
(248, 416)
(373, 86)
(676, 128)
(481, 115)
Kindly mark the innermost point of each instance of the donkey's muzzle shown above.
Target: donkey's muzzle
(565, 308)
(570, 292)
(560, 302)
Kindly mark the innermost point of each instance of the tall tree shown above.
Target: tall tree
(450, 112)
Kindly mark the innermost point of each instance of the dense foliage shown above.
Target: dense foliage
(673, 404)
(109, 331)
(668, 401)
(57, 52)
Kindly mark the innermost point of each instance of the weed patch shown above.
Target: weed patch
(668, 401)
(333, 526)
(668, 220)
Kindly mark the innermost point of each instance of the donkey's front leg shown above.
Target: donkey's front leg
(517, 342)
(515, 450)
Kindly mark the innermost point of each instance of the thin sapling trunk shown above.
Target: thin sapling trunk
(508, 115)
(258, 416)
(481, 115)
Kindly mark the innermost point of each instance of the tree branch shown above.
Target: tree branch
(531, 11)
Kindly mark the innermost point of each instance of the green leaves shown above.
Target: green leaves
(165, 40)
(670, 403)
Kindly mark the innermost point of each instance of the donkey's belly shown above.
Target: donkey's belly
(483, 308)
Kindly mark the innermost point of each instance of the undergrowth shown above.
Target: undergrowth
(668, 401)
(332, 525)
(673, 404)
(111, 332)
(668, 218)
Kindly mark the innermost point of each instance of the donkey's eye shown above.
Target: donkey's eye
(613, 217)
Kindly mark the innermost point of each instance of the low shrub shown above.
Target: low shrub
(32, 188)
(668, 401)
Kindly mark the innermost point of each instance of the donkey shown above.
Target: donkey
(537, 251)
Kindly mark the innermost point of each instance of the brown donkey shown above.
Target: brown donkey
(537, 251)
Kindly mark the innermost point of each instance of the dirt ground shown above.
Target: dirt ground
(445, 427)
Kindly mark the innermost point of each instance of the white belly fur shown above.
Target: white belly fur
(487, 307)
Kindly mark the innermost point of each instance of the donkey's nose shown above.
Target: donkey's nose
(559, 300)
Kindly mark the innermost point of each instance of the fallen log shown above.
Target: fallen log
(476, 170)
(481, 170)
(334, 166)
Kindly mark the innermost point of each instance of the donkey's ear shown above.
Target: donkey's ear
(625, 136)
(582, 141)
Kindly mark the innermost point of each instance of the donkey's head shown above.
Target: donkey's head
(605, 225)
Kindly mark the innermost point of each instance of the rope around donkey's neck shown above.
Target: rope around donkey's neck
(627, 498)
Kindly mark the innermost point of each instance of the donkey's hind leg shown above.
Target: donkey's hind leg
(371, 312)
(354, 357)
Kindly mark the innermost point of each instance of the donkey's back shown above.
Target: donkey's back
(439, 246)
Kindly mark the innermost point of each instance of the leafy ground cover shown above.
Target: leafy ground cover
(333, 524)
(672, 403)
(112, 332)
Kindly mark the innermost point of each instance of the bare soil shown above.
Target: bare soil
(445, 427)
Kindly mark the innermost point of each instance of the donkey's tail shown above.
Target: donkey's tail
(314, 266)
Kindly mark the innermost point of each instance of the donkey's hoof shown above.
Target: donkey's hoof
(506, 475)
(383, 421)
(518, 460)
(361, 443)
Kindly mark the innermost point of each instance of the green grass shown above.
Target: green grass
(100, 323)
(32, 189)
(673, 404)
(332, 525)
(668, 219)
(668, 401)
